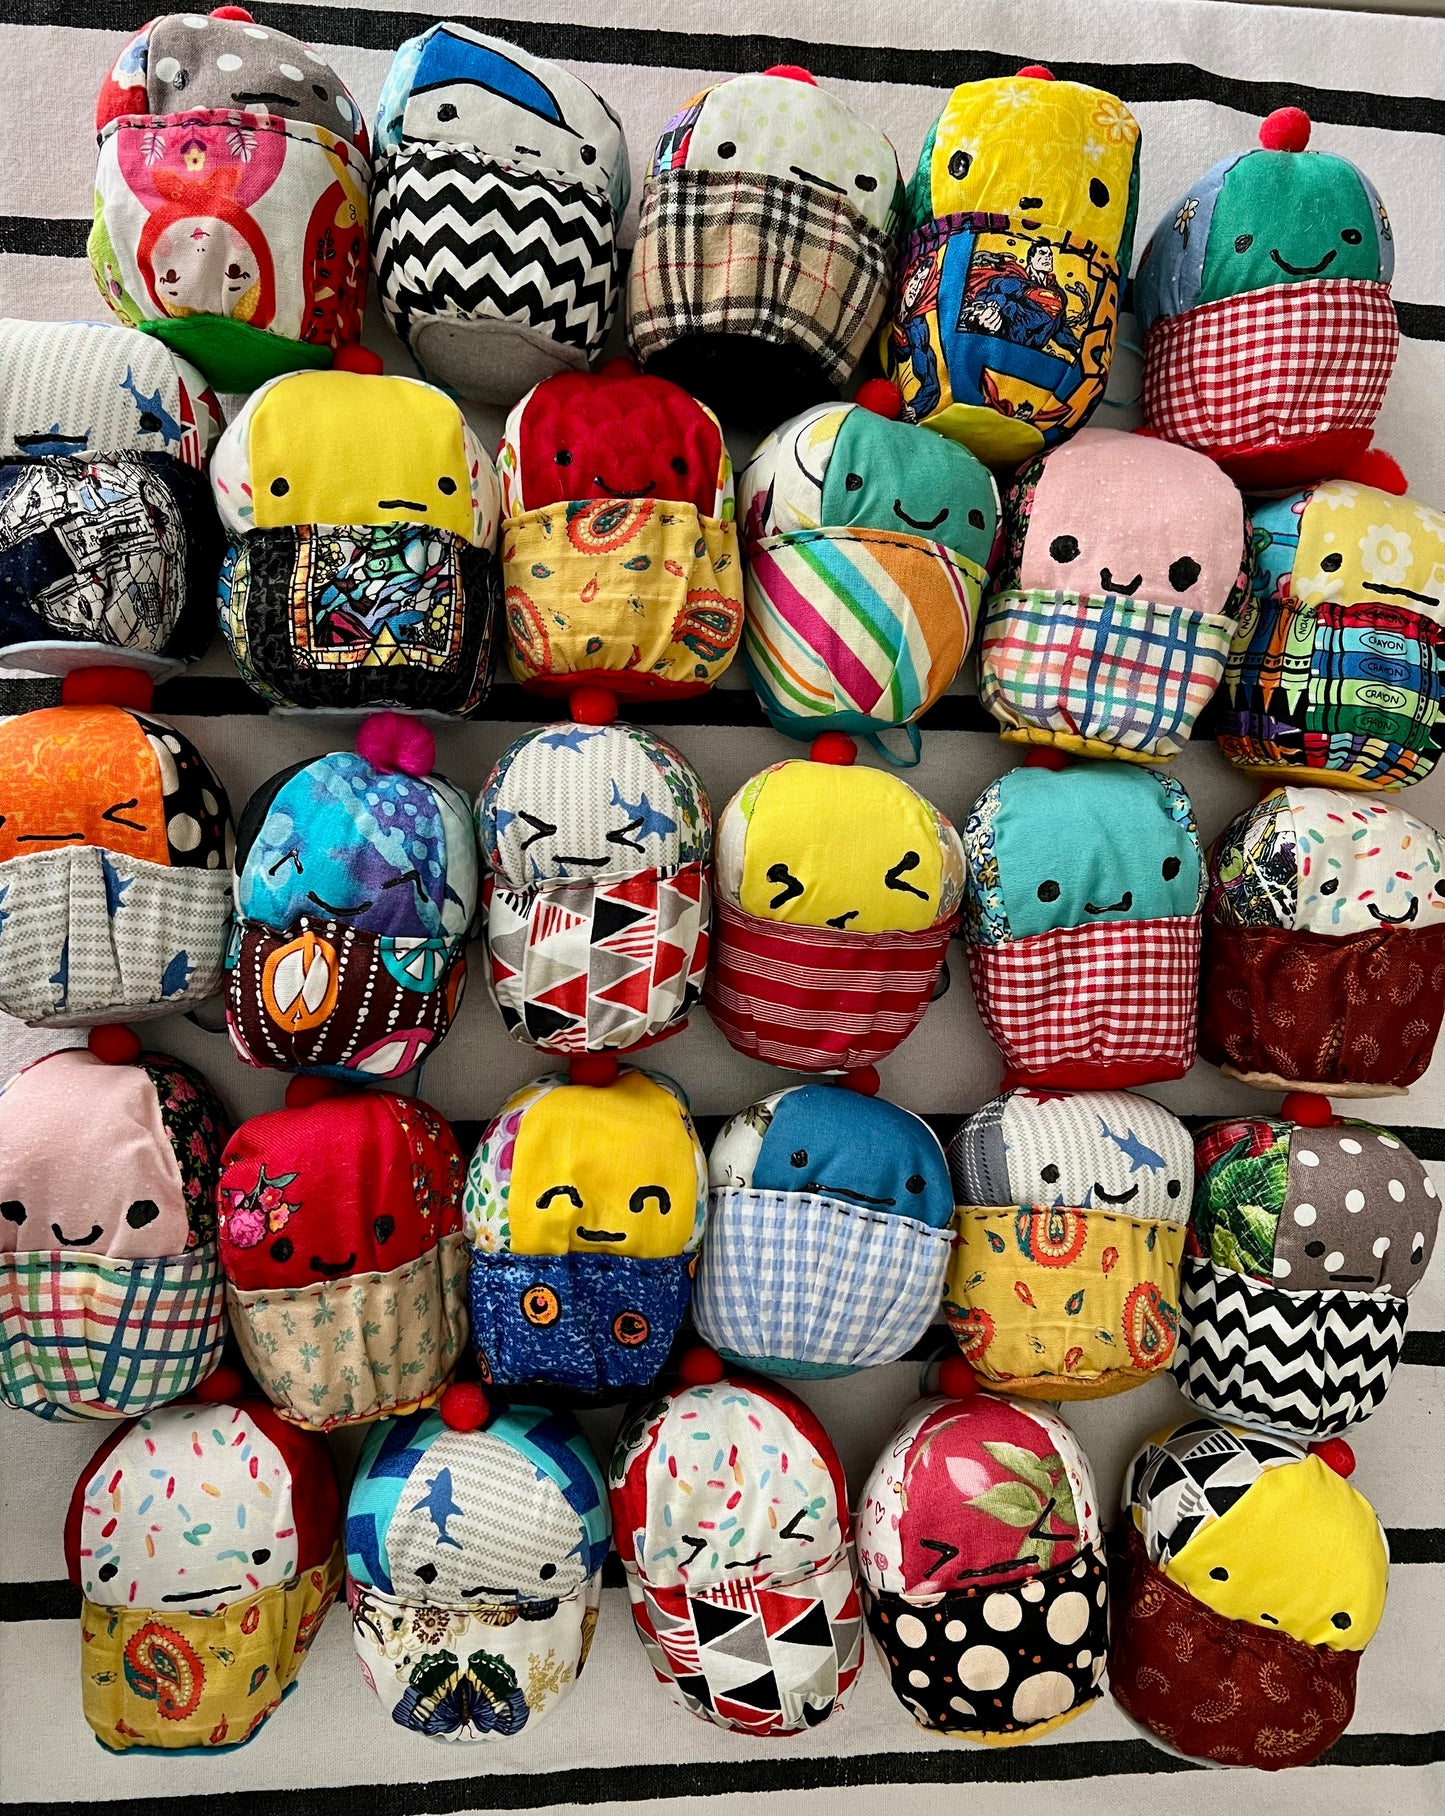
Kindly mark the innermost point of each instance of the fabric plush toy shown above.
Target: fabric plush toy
(110, 1294)
(1019, 233)
(1324, 945)
(362, 520)
(205, 1540)
(340, 1225)
(765, 245)
(475, 1541)
(596, 838)
(1336, 671)
(585, 1204)
(108, 545)
(619, 549)
(837, 890)
(499, 182)
(1248, 1577)
(1308, 1235)
(115, 854)
(867, 553)
(827, 1233)
(1264, 301)
(984, 1578)
(1072, 1209)
(1082, 917)
(731, 1515)
(231, 197)
(1111, 614)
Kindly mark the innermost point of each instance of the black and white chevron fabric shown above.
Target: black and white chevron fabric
(1310, 1364)
(455, 235)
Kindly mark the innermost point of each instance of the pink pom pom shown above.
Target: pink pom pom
(834, 747)
(1307, 1108)
(464, 1407)
(114, 1046)
(956, 1378)
(699, 1366)
(882, 397)
(1335, 1454)
(794, 72)
(1286, 129)
(354, 358)
(1374, 467)
(1038, 72)
(394, 742)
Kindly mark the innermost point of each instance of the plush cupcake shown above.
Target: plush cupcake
(1072, 1209)
(362, 514)
(1112, 612)
(500, 179)
(984, 1578)
(868, 547)
(765, 245)
(1082, 918)
(837, 890)
(356, 888)
(596, 839)
(1309, 1233)
(1018, 235)
(1264, 302)
(231, 197)
(475, 1540)
(1248, 1577)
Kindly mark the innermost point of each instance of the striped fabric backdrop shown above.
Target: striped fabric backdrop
(1198, 74)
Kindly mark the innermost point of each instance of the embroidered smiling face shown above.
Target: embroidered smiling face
(884, 475)
(1285, 217)
(1361, 546)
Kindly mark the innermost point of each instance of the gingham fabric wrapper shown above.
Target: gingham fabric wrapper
(787, 1275)
(85, 1337)
(1272, 365)
(748, 254)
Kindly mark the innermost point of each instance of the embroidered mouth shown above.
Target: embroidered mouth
(1033, 226)
(1111, 585)
(622, 491)
(837, 1191)
(918, 523)
(330, 1269)
(1273, 1619)
(578, 860)
(263, 98)
(200, 1595)
(1396, 920)
(1122, 906)
(747, 1563)
(587, 1235)
(1302, 270)
(52, 443)
(76, 1242)
(1401, 592)
(840, 921)
(331, 908)
(400, 504)
(1116, 1197)
(811, 176)
(48, 838)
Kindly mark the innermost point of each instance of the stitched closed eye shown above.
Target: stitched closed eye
(544, 829)
(790, 889)
(894, 878)
(116, 815)
(560, 1191)
(790, 1531)
(620, 835)
(411, 876)
(293, 856)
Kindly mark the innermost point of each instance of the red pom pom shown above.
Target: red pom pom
(310, 1088)
(464, 1407)
(593, 1068)
(1286, 129)
(699, 1366)
(116, 1046)
(834, 747)
(956, 1378)
(1038, 71)
(356, 358)
(392, 741)
(238, 13)
(223, 1383)
(881, 396)
(1374, 467)
(794, 72)
(1335, 1454)
(1308, 1108)
(1046, 756)
(592, 705)
(863, 1079)
(130, 687)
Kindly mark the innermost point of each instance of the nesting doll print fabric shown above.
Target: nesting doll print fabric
(500, 179)
(984, 1578)
(1063, 1283)
(731, 1516)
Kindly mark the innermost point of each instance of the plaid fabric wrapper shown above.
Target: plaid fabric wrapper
(1120, 676)
(1111, 1005)
(794, 1276)
(813, 998)
(1272, 366)
(84, 1337)
(724, 253)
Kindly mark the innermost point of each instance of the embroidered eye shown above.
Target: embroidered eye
(150, 423)
(1314, 1250)
(637, 1203)
(1048, 891)
(318, 91)
(447, 484)
(280, 487)
(1173, 1188)
(13, 1211)
(866, 184)
(1352, 237)
(142, 1212)
(1049, 1174)
(427, 1573)
(562, 457)
(1169, 869)
(383, 1228)
(1244, 242)
(547, 1572)
(1331, 564)
(1330, 885)
(915, 1182)
(679, 465)
(1064, 548)
(282, 1249)
(588, 154)
(959, 165)
(1183, 573)
(854, 482)
(798, 1157)
(976, 519)
(1220, 1574)
(1098, 193)
(262, 1555)
(727, 149)
(446, 111)
(788, 884)
(1341, 1620)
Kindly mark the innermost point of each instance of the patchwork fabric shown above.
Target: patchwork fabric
(1186, 1478)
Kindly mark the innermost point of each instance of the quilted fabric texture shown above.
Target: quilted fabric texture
(499, 182)
(982, 1560)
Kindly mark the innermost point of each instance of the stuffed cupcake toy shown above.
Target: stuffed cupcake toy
(827, 1234)
(585, 1204)
(1112, 611)
(1018, 236)
(596, 840)
(231, 197)
(108, 544)
(1324, 945)
(868, 547)
(356, 889)
(340, 1228)
(765, 245)
(475, 1539)
(115, 856)
(361, 516)
(205, 1541)
(1335, 674)
(1072, 1210)
(982, 1560)
(111, 1299)
(837, 889)
(1264, 302)
(1082, 918)
(731, 1516)
(619, 549)
(500, 179)
(1309, 1233)
(1248, 1577)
